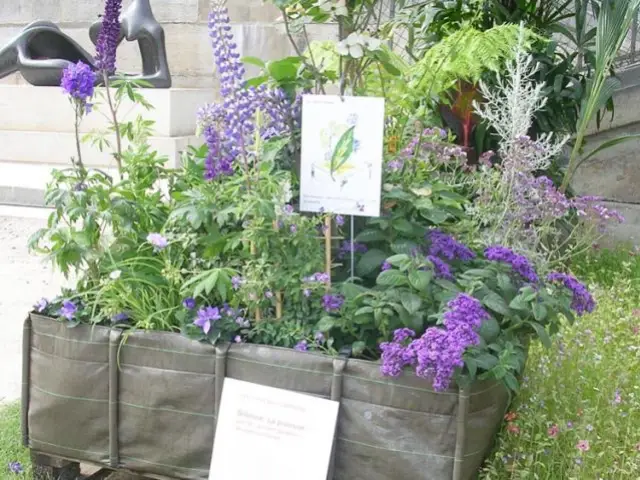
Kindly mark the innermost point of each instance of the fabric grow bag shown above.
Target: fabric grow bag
(147, 402)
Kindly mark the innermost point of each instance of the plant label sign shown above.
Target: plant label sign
(269, 433)
(341, 160)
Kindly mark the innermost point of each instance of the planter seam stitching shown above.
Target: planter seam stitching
(407, 451)
(231, 357)
(67, 396)
(167, 369)
(66, 358)
(144, 407)
(67, 448)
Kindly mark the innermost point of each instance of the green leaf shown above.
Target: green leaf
(489, 330)
(399, 259)
(370, 235)
(325, 324)
(486, 361)
(402, 225)
(358, 348)
(253, 61)
(608, 144)
(420, 279)
(286, 68)
(370, 262)
(343, 150)
(539, 311)
(519, 303)
(351, 290)
(542, 334)
(404, 246)
(391, 278)
(496, 303)
(511, 382)
(411, 302)
(363, 311)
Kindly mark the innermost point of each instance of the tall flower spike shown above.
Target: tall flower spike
(108, 38)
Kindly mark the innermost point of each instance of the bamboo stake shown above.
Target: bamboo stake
(327, 248)
(278, 305)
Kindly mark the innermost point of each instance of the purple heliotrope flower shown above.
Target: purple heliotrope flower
(189, 303)
(441, 268)
(158, 241)
(447, 247)
(582, 301)
(41, 306)
(108, 37)
(302, 346)
(15, 467)
(439, 352)
(332, 303)
(519, 263)
(206, 317)
(78, 82)
(68, 310)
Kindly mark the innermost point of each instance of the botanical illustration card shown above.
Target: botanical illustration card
(341, 165)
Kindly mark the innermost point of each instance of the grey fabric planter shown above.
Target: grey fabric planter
(147, 402)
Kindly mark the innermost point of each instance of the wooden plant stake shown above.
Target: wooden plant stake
(278, 305)
(327, 249)
(258, 315)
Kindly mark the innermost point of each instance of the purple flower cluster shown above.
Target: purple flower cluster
(447, 247)
(78, 82)
(302, 346)
(438, 353)
(589, 207)
(442, 269)
(346, 248)
(108, 37)
(519, 263)
(431, 144)
(207, 316)
(538, 199)
(332, 303)
(582, 301)
(318, 277)
(229, 127)
(158, 241)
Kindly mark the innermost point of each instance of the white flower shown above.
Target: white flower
(115, 275)
(337, 8)
(356, 43)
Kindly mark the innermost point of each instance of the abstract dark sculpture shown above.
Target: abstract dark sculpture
(42, 51)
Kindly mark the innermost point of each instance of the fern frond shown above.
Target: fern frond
(466, 55)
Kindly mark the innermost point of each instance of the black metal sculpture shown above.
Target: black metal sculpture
(42, 51)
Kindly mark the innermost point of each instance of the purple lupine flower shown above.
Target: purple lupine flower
(68, 310)
(582, 301)
(108, 37)
(385, 266)
(339, 220)
(301, 346)
(41, 306)
(189, 303)
(332, 303)
(441, 268)
(158, 241)
(78, 82)
(447, 247)
(120, 318)
(519, 263)
(346, 248)
(229, 127)
(206, 317)
(16, 467)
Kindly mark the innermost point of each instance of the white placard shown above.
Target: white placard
(266, 433)
(341, 158)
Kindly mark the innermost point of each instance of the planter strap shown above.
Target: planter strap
(115, 336)
(26, 380)
(461, 433)
(221, 373)
(339, 366)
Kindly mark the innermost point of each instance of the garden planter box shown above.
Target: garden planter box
(147, 402)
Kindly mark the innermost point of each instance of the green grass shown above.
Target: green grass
(11, 449)
(586, 389)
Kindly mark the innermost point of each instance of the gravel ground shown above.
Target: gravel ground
(24, 278)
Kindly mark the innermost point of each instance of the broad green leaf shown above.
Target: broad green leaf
(370, 262)
(343, 150)
(358, 348)
(489, 330)
(253, 61)
(398, 259)
(325, 324)
(542, 334)
(496, 303)
(539, 311)
(370, 235)
(420, 279)
(411, 302)
(352, 290)
(391, 278)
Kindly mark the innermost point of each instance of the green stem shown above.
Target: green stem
(114, 120)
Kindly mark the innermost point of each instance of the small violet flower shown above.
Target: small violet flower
(68, 310)
(120, 318)
(301, 346)
(332, 303)
(189, 303)
(206, 317)
(42, 304)
(236, 282)
(339, 220)
(385, 266)
(319, 337)
(15, 467)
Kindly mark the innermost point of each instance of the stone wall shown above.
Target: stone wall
(185, 24)
(614, 173)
